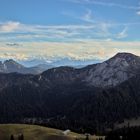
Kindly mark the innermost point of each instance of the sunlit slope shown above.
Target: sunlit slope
(34, 132)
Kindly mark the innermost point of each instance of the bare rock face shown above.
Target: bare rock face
(113, 71)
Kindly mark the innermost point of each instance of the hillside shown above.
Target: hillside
(66, 97)
(34, 132)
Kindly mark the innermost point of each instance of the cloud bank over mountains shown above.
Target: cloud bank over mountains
(92, 30)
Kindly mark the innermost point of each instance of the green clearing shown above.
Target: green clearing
(35, 132)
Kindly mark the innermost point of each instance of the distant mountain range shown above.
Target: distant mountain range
(57, 62)
(89, 99)
(10, 66)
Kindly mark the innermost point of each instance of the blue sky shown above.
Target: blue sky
(74, 29)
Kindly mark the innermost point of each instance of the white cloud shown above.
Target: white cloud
(9, 26)
(87, 16)
(138, 13)
(122, 34)
(65, 41)
(38, 31)
(64, 32)
(80, 50)
(15, 56)
(25, 32)
(109, 4)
